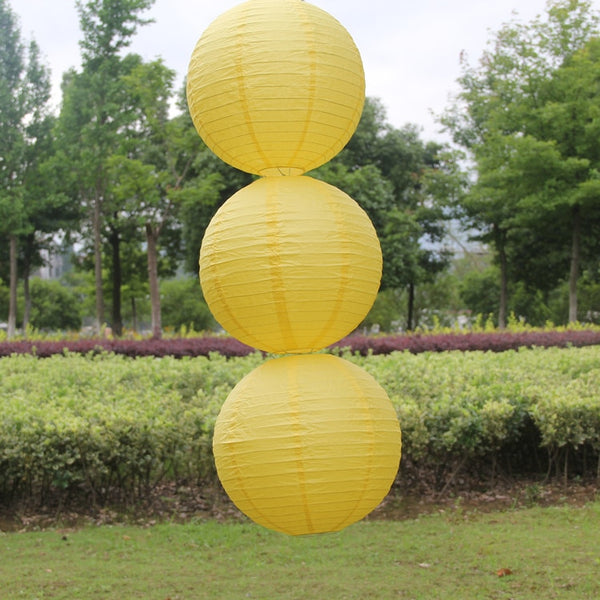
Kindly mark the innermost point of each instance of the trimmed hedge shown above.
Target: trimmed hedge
(107, 426)
(175, 347)
(102, 427)
(496, 341)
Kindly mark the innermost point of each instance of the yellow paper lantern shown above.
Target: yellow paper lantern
(276, 87)
(307, 444)
(290, 264)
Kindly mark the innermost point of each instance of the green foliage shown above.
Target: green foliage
(54, 306)
(589, 297)
(530, 304)
(436, 304)
(112, 425)
(183, 305)
(108, 423)
(528, 114)
(479, 291)
(101, 116)
(3, 300)
(403, 185)
(31, 210)
(387, 311)
(453, 405)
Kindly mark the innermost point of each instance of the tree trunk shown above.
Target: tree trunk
(26, 297)
(117, 319)
(98, 266)
(501, 248)
(152, 239)
(26, 271)
(133, 314)
(575, 258)
(411, 307)
(12, 303)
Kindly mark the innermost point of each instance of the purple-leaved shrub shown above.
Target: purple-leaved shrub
(497, 341)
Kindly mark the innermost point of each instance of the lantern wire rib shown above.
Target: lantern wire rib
(294, 406)
(213, 270)
(278, 284)
(343, 271)
(241, 488)
(239, 59)
(308, 26)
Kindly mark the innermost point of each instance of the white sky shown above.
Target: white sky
(410, 50)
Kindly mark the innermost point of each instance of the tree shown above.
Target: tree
(152, 170)
(94, 116)
(25, 140)
(12, 116)
(165, 179)
(388, 172)
(183, 305)
(204, 183)
(568, 122)
(54, 306)
(479, 291)
(414, 231)
(524, 113)
(489, 209)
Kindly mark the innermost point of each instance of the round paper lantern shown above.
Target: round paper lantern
(276, 87)
(307, 444)
(290, 264)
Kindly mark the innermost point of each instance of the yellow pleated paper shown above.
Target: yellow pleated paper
(290, 264)
(307, 444)
(276, 87)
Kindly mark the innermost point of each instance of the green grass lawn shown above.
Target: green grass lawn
(550, 552)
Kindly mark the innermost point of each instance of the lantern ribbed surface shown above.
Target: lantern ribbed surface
(275, 87)
(290, 264)
(307, 444)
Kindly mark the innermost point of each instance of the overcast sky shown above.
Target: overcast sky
(410, 49)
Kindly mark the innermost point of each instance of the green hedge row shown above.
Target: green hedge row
(108, 427)
(527, 411)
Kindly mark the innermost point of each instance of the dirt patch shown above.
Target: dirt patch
(504, 496)
(196, 503)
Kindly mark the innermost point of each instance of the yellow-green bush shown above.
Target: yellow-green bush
(107, 426)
